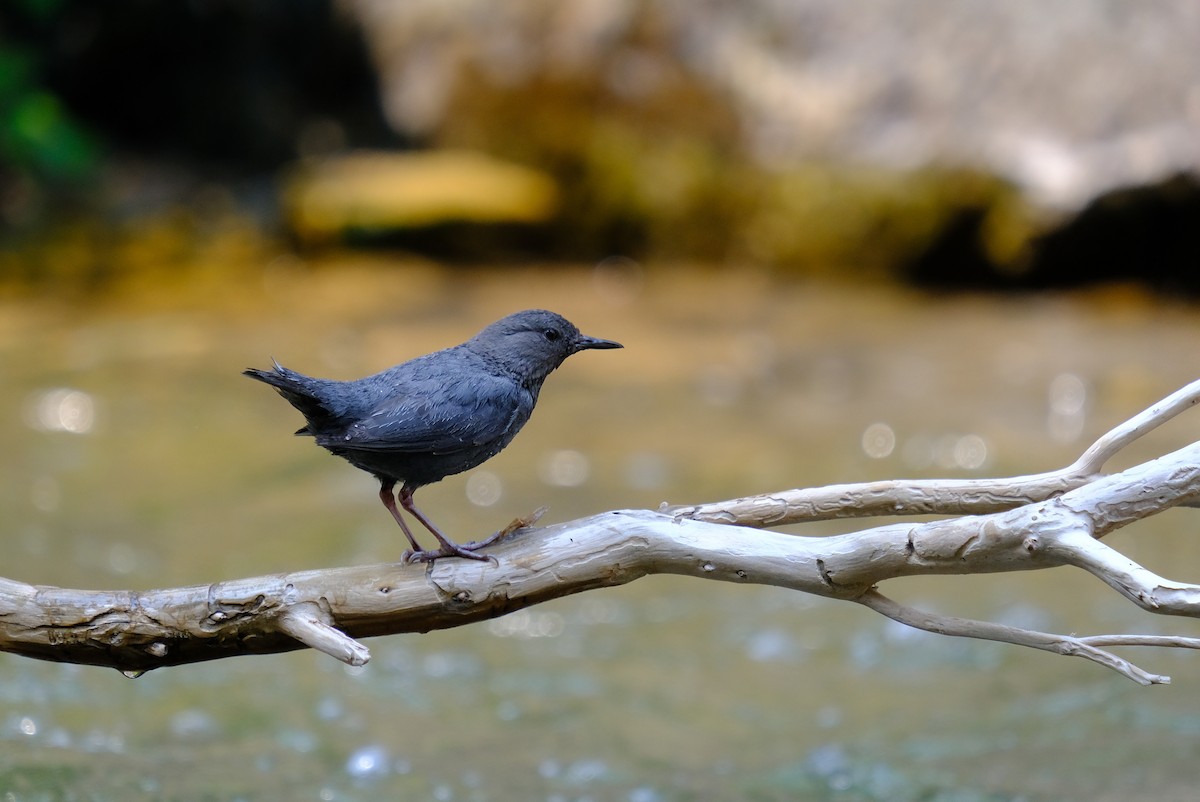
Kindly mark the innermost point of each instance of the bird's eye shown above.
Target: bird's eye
(552, 335)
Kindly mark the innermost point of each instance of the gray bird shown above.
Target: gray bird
(438, 414)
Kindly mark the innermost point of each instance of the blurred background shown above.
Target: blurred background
(840, 242)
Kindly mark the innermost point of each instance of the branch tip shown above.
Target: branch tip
(307, 625)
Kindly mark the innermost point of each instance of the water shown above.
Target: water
(137, 457)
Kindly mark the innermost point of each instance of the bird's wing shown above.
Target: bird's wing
(440, 417)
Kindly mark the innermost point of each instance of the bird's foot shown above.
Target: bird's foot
(447, 549)
(524, 522)
(470, 550)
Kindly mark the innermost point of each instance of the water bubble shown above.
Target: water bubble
(1068, 394)
(564, 468)
(527, 624)
(828, 760)
(878, 441)
(582, 772)
(970, 452)
(61, 410)
(27, 726)
(1068, 407)
(193, 723)
(484, 488)
(599, 611)
(354, 670)
(770, 644)
(330, 708)
(1064, 428)
(368, 762)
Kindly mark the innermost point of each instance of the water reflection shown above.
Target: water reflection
(194, 723)
(946, 452)
(484, 488)
(368, 762)
(527, 624)
(773, 644)
(1068, 407)
(970, 452)
(564, 468)
(878, 441)
(61, 410)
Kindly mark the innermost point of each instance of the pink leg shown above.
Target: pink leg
(448, 547)
(389, 501)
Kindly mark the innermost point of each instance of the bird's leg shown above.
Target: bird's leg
(449, 548)
(389, 501)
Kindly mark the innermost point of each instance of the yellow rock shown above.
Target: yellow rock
(381, 190)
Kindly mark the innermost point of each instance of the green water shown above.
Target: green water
(135, 456)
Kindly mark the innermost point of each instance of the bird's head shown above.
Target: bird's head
(533, 343)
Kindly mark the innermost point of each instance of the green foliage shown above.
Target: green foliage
(38, 136)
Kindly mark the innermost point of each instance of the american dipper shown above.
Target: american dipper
(438, 414)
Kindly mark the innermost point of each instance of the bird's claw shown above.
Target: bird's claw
(449, 550)
(526, 521)
(517, 524)
(470, 550)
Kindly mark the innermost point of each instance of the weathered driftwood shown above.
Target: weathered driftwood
(1014, 524)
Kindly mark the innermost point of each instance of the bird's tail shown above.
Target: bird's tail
(305, 393)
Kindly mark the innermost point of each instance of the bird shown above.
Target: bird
(436, 415)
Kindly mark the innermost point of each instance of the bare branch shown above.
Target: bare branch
(1141, 586)
(1101, 451)
(1043, 521)
(986, 630)
(309, 624)
(937, 496)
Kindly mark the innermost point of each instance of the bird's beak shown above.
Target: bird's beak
(587, 343)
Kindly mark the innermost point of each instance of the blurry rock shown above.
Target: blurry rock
(943, 142)
(1066, 100)
(1148, 233)
(383, 195)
